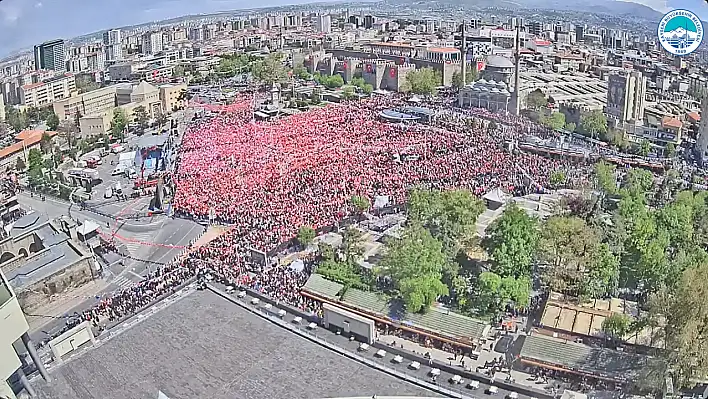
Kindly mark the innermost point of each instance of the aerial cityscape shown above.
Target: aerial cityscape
(394, 198)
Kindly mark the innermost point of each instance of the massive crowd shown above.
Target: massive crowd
(266, 179)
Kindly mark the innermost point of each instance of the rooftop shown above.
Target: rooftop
(203, 346)
(443, 323)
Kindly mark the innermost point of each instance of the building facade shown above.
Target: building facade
(48, 91)
(626, 94)
(50, 55)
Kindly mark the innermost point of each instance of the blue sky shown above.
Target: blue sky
(27, 22)
(24, 23)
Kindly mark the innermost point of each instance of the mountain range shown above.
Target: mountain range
(680, 33)
(27, 22)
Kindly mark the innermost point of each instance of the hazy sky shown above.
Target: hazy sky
(24, 23)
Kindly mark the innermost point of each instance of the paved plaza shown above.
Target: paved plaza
(203, 346)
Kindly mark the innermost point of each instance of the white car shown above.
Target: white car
(119, 170)
(108, 193)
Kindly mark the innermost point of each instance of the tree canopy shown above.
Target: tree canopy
(424, 81)
(511, 242)
(415, 264)
(594, 124)
(271, 69)
(449, 215)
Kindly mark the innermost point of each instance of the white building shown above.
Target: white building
(626, 94)
(324, 23)
(112, 40)
(152, 43)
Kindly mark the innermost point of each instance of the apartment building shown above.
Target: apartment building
(112, 40)
(89, 103)
(170, 96)
(626, 93)
(48, 91)
(152, 43)
(24, 142)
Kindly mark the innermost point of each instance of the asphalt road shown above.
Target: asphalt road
(159, 240)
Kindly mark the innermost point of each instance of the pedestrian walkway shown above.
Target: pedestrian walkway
(136, 241)
(440, 356)
(122, 282)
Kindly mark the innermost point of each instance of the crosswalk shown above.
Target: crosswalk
(133, 242)
(122, 282)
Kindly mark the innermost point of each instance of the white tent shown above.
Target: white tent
(381, 201)
(161, 395)
(298, 265)
(496, 198)
(88, 227)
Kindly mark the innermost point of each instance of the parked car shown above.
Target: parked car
(108, 193)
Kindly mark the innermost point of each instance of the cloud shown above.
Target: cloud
(38, 5)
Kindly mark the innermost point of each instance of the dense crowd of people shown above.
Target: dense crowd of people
(267, 179)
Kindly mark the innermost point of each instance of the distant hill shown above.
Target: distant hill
(613, 7)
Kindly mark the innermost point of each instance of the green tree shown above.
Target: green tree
(271, 69)
(570, 126)
(118, 123)
(555, 121)
(605, 177)
(20, 165)
(511, 242)
(52, 121)
(680, 318)
(644, 148)
(472, 76)
(361, 204)
(178, 71)
(670, 150)
(424, 81)
(35, 159)
(46, 143)
(305, 235)
(616, 326)
(348, 93)
(557, 178)
(578, 264)
(594, 124)
(536, 99)
(18, 120)
(140, 117)
(415, 263)
(495, 292)
(367, 89)
(352, 245)
(301, 73)
(449, 215)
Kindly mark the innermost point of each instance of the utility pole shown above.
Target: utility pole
(517, 62)
(463, 51)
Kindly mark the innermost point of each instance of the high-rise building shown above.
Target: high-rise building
(50, 55)
(579, 33)
(112, 40)
(152, 43)
(324, 23)
(626, 96)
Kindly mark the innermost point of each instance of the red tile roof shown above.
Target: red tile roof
(671, 122)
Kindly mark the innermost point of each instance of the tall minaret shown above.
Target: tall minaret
(463, 51)
(517, 62)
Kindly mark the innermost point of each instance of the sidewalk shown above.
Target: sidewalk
(448, 358)
(64, 303)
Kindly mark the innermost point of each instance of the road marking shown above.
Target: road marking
(122, 282)
(135, 274)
